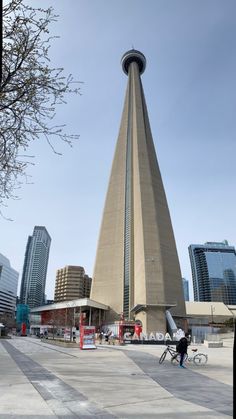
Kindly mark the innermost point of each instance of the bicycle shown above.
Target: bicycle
(169, 350)
(198, 358)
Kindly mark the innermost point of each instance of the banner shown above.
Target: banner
(87, 337)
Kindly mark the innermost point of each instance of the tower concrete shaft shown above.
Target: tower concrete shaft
(137, 270)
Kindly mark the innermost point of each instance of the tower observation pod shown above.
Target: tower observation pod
(133, 56)
(137, 272)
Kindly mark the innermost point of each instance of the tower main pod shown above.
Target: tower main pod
(137, 270)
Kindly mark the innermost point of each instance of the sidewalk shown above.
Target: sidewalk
(41, 381)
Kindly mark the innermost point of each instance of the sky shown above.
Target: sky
(189, 85)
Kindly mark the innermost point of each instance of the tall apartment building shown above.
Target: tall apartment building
(35, 268)
(8, 287)
(214, 272)
(185, 289)
(72, 283)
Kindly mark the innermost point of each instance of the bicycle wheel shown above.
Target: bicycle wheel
(162, 358)
(200, 359)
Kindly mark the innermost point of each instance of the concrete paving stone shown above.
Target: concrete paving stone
(59, 409)
(14, 401)
(110, 390)
(16, 391)
(61, 398)
(43, 391)
(207, 391)
(87, 408)
(172, 409)
(173, 382)
(126, 382)
(23, 416)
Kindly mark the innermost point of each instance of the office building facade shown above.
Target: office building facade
(137, 270)
(35, 268)
(213, 267)
(72, 283)
(8, 288)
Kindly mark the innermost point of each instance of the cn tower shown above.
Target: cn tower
(137, 270)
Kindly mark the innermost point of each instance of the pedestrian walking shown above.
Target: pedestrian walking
(112, 338)
(100, 337)
(107, 336)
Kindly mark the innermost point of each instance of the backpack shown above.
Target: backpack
(178, 347)
(182, 345)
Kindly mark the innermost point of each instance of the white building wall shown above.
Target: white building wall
(8, 286)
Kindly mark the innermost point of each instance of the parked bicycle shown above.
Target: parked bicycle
(197, 358)
(169, 350)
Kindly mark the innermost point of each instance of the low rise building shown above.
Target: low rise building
(59, 316)
(205, 318)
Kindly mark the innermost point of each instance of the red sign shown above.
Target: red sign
(87, 337)
(138, 329)
(23, 329)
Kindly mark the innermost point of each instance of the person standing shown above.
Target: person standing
(182, 349)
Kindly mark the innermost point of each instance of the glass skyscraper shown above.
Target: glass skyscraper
(185, 289)
(214, 272)
(8, 287)
(35, 268)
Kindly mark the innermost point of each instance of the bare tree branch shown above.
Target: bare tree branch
(30, 91)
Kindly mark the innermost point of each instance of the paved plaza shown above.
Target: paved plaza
(43, 381)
